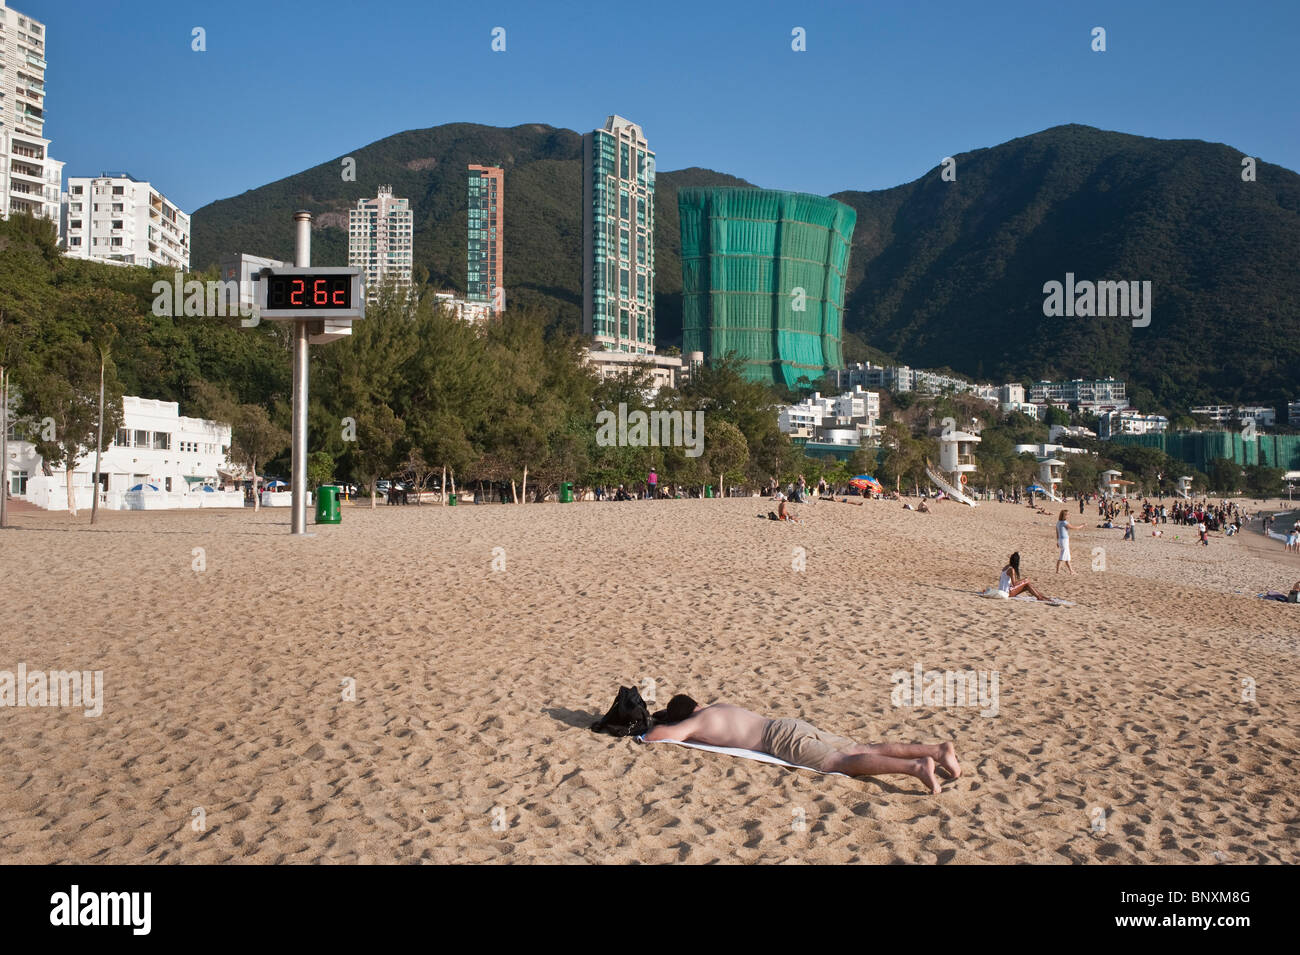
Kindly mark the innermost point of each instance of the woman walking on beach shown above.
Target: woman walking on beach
(1063, 528)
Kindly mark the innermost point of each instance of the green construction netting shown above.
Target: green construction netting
(763, 275)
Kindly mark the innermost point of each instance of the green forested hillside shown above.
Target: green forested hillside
(952, 273)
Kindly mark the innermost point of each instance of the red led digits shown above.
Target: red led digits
(320, 292)
(295, 297)
(340, 292)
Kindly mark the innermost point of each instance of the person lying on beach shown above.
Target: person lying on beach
(1290, 598)
(803, 744)
(1012, 584)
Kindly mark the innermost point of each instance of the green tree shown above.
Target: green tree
(320, 469)
(60, 403)
(726, 453)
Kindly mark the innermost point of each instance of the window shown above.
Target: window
(123, 439)
(117, 223)
(74, 224)
(119, 191)
(76, 190)
(142, 439)
(162, 441)
(640, 210)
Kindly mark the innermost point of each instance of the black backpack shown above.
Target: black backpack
(629, 715)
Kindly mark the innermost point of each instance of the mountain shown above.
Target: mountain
(543, 203)
(952, 272)
(941, 274)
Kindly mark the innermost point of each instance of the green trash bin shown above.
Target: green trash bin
(451, 500)
(327, 505)
(708, 490)
(566, 492)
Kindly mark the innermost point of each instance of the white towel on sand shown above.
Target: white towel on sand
(744, 754)
(996, 594)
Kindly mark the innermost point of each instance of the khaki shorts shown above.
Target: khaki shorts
(802, 743)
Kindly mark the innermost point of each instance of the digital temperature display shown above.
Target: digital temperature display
(289, 292)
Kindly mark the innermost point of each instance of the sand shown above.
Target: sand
(1121, 734)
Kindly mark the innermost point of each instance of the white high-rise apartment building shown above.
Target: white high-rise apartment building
(118, 219)
(618, 238)
(29, 179)
(379, 241)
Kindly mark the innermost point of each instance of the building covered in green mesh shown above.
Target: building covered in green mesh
(763, 276)
(1199, 448)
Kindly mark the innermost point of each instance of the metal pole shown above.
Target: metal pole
(302, 259)
(99, 442)
(4, 446)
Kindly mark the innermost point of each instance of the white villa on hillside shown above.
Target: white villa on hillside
(176, 462)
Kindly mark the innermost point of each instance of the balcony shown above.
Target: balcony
(27, 172)
(36, 61)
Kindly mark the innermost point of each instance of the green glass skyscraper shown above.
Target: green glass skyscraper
(763, 276)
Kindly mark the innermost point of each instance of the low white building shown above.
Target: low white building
(118, 219)
(171, 458)
(467, 311)
(246, 270)
(666, 371)
(840, 419)
(1057, 431)
(1031, 408)
(1046, 450)
(1112, 423)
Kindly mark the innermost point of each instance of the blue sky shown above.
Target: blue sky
(883, 92)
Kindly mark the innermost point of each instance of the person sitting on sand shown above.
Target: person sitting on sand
(784, 513)
(923, 508)
(803, 744)
(1012, 584)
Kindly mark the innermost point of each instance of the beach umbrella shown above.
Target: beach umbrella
(274, 484)
(1036, 489)
(864, 482)
(144, 487)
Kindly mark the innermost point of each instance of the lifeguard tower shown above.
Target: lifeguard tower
(1050, 476)
(956, 460)
(1185, 486)
(1110, 483)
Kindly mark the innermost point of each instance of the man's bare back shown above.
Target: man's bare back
(723, 724)
(718, 725)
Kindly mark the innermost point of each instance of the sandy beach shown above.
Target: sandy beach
(1121, 732)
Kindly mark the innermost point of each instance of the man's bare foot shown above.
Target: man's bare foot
(924, 771)
(948, 764)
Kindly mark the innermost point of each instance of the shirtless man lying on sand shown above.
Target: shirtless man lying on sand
(805, 745)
